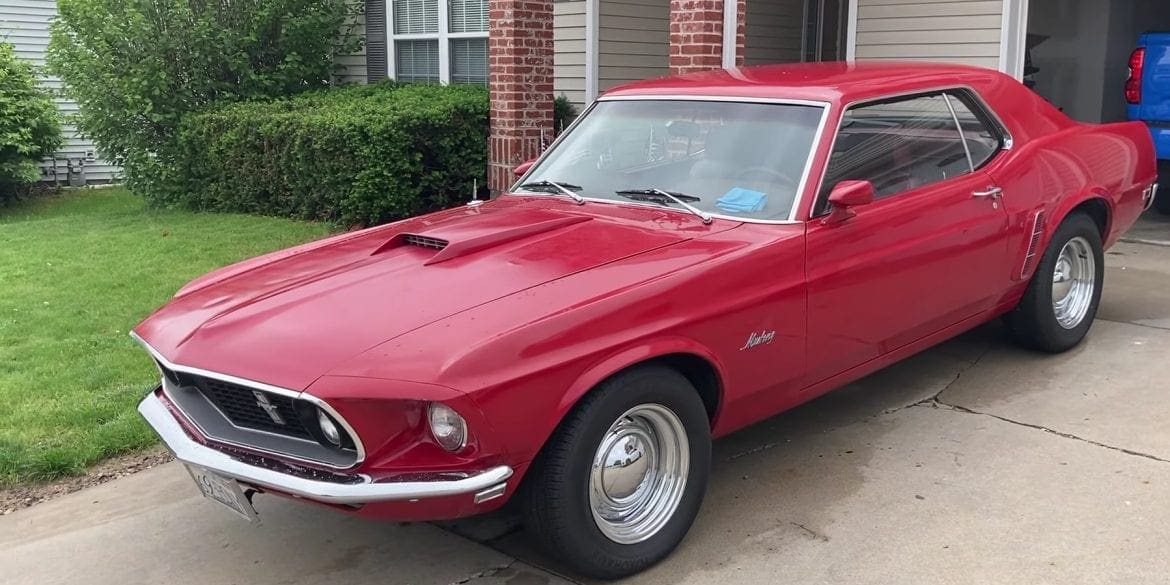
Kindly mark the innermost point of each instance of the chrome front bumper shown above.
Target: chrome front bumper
(486, 485)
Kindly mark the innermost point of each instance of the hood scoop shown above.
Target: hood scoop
(423, 241)
(454, 241)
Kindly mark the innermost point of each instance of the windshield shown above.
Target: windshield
(738, 159)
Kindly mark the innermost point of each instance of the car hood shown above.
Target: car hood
(288, 318)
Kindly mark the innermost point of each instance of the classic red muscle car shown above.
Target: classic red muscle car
(693, 255)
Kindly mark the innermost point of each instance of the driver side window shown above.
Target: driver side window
(898, 145)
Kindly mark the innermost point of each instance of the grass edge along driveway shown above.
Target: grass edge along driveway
(77, 272)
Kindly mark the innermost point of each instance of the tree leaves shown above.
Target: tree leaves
(30, 127)
(137, 67)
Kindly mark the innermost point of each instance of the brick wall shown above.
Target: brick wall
(520, 72)
(696, 34)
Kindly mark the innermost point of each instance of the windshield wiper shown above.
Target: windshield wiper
(659, 196)
(566, 188)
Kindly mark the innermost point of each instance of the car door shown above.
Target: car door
(927, 253)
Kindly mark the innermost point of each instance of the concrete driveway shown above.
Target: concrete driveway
(974, 462)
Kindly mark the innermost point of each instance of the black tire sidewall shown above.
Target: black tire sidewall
(1034, 320)
(585, 547)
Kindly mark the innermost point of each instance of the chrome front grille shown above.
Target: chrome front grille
(255, 419)
(254, 409)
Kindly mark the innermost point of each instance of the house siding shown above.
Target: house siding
(25, 24)
(958, 31)
(774, 32)
(351, 68)
(634, 39)
(569, 51)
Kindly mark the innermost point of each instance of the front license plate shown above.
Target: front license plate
(225, 491)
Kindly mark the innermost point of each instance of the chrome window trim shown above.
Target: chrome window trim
(1006, 143)
(959, 127)
(801, 188)
(295, 394)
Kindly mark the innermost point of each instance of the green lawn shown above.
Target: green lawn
(77, 272)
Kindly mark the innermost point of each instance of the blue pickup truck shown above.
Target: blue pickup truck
(1148, 92)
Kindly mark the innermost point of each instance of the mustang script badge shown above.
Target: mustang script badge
(760, 338)
(263, 402)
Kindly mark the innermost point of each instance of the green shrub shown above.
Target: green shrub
(136, 67)
(563, 113)
(356, 156)
(30, 128)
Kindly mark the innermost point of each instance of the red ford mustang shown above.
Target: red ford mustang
(693, 255)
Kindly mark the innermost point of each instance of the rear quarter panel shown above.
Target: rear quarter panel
(1055, 173)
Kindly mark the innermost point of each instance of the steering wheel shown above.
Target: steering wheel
(769, 174)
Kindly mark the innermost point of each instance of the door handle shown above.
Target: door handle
(993, 192)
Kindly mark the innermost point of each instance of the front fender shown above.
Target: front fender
(624, 358)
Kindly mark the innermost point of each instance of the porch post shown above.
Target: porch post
(520, 84)
(696, 34)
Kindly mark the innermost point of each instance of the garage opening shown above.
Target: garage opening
(1078, 52)
(792, 31)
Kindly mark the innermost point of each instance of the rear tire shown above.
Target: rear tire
(1061, 301)
(1162, 201)
(621, 480)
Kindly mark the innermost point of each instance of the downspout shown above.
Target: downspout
(730, 28)
(592, 48)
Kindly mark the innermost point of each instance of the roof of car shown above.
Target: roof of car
(825, 82)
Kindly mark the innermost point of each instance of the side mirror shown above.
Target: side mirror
(523, 168)
(845, 196)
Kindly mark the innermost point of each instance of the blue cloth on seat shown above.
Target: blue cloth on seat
(740, 200)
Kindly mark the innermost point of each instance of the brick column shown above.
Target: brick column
(696, 34)
(520, 71)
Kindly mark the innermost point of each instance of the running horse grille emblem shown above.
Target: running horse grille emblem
(268, 407)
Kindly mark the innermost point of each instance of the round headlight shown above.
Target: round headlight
(449, 429)
(328, 428)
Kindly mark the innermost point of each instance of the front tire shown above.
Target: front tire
(621, 480)
(1061, 301)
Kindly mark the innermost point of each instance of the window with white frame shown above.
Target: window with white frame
(439, 41)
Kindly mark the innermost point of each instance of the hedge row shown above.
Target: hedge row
(356, 156)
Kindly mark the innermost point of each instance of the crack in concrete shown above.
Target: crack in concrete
(751, 451)
(484, 574)
(954, 407)
(1146, 325)
(934, 397)
(811, 533)
(936, 402)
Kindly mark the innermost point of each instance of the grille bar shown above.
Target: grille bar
(424, 241)
(255, 409)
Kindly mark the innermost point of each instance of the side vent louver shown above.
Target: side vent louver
(424, 241)
(1033, 245)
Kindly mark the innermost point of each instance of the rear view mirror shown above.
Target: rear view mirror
(523, 168)
(845, 196)
(683, 128)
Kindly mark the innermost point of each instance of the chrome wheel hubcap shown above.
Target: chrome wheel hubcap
(1073, 282)
(639, 473)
